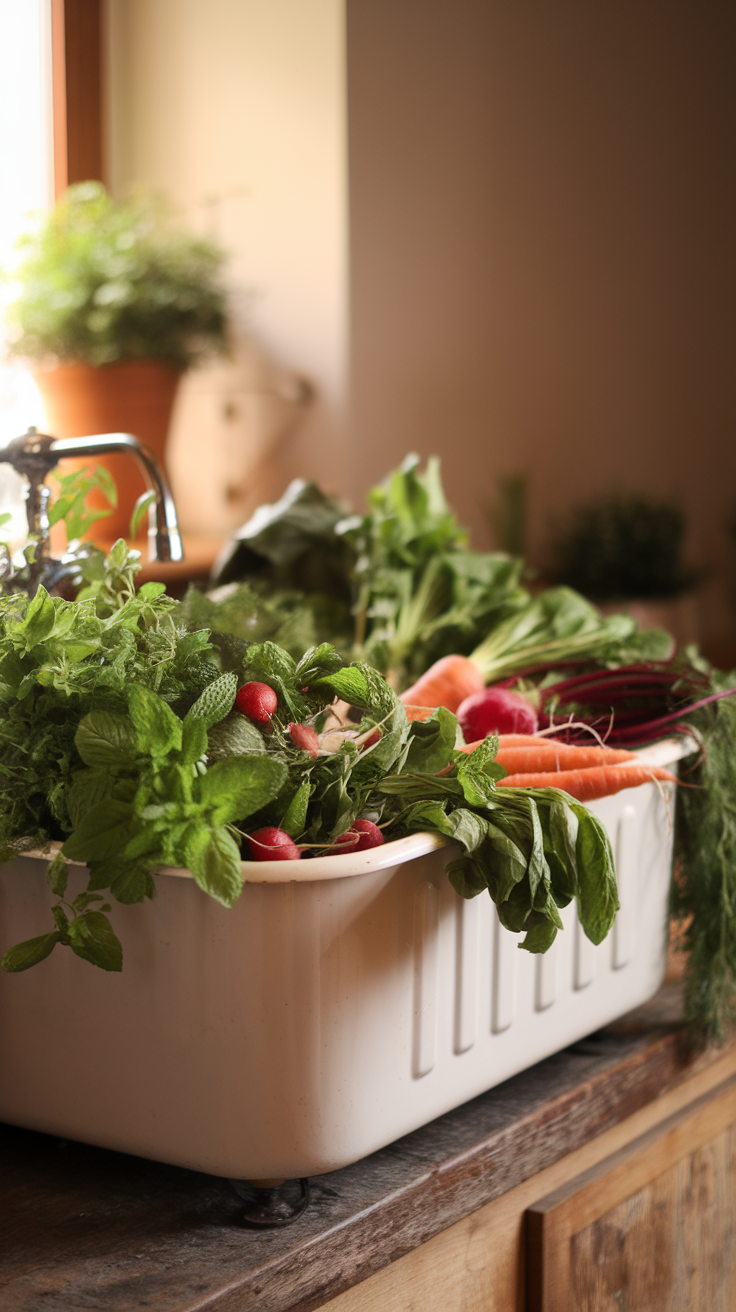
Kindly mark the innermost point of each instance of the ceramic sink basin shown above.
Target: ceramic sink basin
(341, 1003)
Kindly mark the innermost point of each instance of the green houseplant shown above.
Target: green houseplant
(113, 303)
(625, 553)
(623, 548)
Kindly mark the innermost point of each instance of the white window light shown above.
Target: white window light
(26, 186)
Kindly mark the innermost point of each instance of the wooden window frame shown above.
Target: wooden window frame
(76, 70)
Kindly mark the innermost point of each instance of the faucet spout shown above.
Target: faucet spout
(36, 454)
(164, 539)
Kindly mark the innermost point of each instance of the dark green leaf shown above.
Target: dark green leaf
(349, 683)
(158, 730)
(216, 865)
(133, 885)
(432, 742)
(106, 739)
(467, 877)
(234, 736)
(56, 875)
(30, 952)
(215, 702)
(316, 662)
(91, 936)
(597, 892)
(39, 619)
(102, 832)
(140, 510)
(193, 741)
(61, 919)
(294, 818)
(87, 789)
(236, 787)
(540, 933)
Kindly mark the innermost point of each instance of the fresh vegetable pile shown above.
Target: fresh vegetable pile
(443, 622)
(140, 744)
(399, 592)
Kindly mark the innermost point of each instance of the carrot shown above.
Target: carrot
(521, 740)
(446, 683)
(419, 712)
(587, 785)
(506, 740)
(557, 756)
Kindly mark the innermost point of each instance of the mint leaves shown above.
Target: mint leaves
(121, 737)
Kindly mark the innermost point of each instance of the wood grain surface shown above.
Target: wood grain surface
(84, 1228)
(649, 1227)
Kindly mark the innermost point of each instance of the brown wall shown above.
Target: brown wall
(542, 259)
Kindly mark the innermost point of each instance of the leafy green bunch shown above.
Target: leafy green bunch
(421, 593)
(148, 783)
(100, 282)
(704, 887)
(418, 592)
(559, 626)
(60, 660)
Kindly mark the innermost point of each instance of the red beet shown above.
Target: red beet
(257, 701)
(305, 737)
(272, 844)
(496, 710)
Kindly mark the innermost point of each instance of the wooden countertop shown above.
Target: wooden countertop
(85, 1228)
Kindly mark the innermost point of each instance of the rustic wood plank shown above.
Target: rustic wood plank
(478, 1264)
(668, 1247)
(619, 1225)
(82, 1227)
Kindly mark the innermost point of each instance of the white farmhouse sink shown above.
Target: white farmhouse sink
(343, 1002)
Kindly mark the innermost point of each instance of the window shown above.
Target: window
(26, 185)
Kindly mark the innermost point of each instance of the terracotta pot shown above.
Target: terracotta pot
(131, 396)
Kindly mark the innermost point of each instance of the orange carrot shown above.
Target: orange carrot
(419, 712)
(587, 785)
(446, 683)
(557, 756)
(521, 740)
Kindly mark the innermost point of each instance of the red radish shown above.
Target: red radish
(305, 737)
(257, 701)
(362, 835)
(348, 840)
(373, 738)
(495, 710)
(446, 683)
(370, 835)
(272, 844)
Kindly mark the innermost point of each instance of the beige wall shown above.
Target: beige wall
(236, 108)
(542, 256)
(541, 233)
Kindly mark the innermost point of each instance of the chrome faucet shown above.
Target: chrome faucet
(35, 455)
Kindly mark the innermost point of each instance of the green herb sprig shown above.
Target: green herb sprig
(139, 790)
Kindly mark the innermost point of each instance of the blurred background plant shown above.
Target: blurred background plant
(98, 282)
(622, 547)
(507, 514)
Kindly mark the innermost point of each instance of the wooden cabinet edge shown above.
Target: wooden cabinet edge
(553, 1220)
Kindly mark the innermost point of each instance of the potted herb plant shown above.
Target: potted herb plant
(626, 554)
(113, 303)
